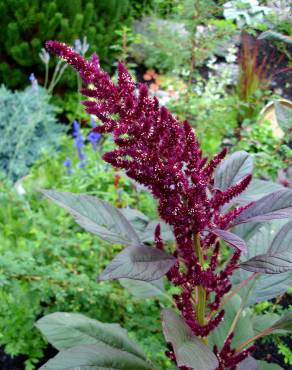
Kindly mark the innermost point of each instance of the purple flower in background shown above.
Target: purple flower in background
(79, 141)
(68, 164)
(34, 82)
(94, 138)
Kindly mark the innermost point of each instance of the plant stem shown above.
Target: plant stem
(201, 306)
(256, 337)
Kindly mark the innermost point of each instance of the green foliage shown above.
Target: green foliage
(27, 24)
(259, 140)
(38, 275)
(210, 110)
(28, 126)
(184, 40)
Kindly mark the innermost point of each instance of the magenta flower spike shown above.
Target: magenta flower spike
(160, 152)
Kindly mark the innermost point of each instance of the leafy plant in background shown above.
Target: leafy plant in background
(37, 277)
(255, 76)
(28, 127)
(246, 13)
(260, 141)
(183, 41)
(26, 24)
(163, 154)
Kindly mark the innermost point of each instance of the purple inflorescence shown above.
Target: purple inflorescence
(163, 154)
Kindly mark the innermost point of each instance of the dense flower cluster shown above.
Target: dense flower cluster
(163, 154)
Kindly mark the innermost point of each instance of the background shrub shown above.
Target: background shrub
(28, 126)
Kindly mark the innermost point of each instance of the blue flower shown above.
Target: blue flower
(79, 141)
(34, 82)
(94, 138)
(68, 164)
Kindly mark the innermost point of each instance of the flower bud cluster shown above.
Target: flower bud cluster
(228, 357)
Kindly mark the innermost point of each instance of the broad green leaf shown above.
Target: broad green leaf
(248, 364)
(265, 287)
(166, 232)
(138, 263)
(189, 350)
(65, 330)
(263, 322)
(272, 35)
(284, 115)
(269, 286)
(144, 289)
(246, 231)
(96, 216)
(231, 239)
(277, 205)
(233, 169)
(263, 365)
(95, 357)
(243, 330)
(261, 241)
(137, 219)
(285, 323)
(256, 190)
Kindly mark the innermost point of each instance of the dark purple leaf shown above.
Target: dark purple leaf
(276, 205)
(96, 216)
(138, 263)
(233, 169)
(278, 258)
(97, 356)
(270, 263)
(189, 350)
(282, 240)
(230, 238)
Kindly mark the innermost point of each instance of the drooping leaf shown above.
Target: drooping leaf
(263, 365)
(66, 330)
(95, 357)
(233, 169)
(96, 216)
(189, 350)
(277, 205)
(284, 115)
(230, 238)
(248, 364)
(138, 263)
(272, 35)
(144, 289)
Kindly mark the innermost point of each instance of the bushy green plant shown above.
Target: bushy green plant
(259, 140)
(28, 126)
(39, 277)
(26, 24)
(182, 41)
